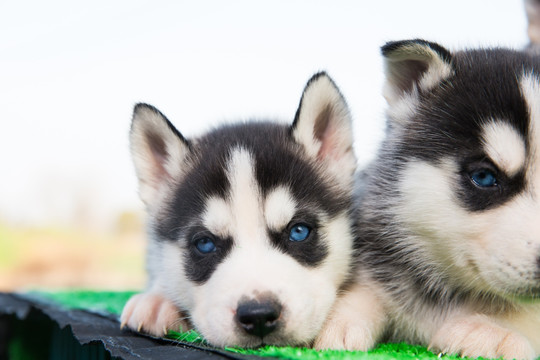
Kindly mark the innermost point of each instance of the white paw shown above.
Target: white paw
(356, 322)
(476, 336)
(344, 335)
(152, 314)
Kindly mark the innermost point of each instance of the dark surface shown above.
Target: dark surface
(39, 329)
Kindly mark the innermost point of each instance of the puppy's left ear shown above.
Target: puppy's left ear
(414, 66)
(323, 126)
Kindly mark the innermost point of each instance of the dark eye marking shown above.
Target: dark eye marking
(302, 240)
(203, 253)
(483, 186)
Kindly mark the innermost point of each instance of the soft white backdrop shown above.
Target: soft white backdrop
(71, 71)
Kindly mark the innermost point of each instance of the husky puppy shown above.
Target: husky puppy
(449, 222)
(250, 231)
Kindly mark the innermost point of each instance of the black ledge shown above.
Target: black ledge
(40, 329)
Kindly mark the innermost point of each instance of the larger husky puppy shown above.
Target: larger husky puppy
(250, 236)
(450, 210)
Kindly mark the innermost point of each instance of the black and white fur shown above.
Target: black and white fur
(449, 220)
(242, 188)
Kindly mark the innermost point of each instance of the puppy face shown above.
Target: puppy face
(464, 128)
(253, 219)
(279, 246)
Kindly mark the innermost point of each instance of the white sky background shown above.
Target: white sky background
(70, 73)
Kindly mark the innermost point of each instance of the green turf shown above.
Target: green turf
(381, 352)
(108, 301)
(114, 301)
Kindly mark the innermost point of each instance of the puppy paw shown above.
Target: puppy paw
(344, 335)
(476, 336)
(356, 321)
(152, 314)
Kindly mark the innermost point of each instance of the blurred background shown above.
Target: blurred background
(70, 73)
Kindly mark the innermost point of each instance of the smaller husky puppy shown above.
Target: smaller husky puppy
(449, 216)
(249, 226)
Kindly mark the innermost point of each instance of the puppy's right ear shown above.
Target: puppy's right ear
(158, 151)
(412, 67)
(323, 126)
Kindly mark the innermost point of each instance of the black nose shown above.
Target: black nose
(258, 318)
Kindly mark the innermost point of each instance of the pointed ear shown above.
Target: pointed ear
(158, 151)
(323, 126)
(412, 66)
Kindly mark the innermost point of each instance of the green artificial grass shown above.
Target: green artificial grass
(382, 352)
(113, 302)
(108, 301)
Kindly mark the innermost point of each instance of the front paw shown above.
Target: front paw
(357, 320)
(477, 335)
(344, 334)
(152, 314)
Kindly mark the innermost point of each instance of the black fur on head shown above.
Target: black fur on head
(279, 161)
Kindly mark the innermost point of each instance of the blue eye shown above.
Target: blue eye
(205, 245)
(299, 232)
(484, 178)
